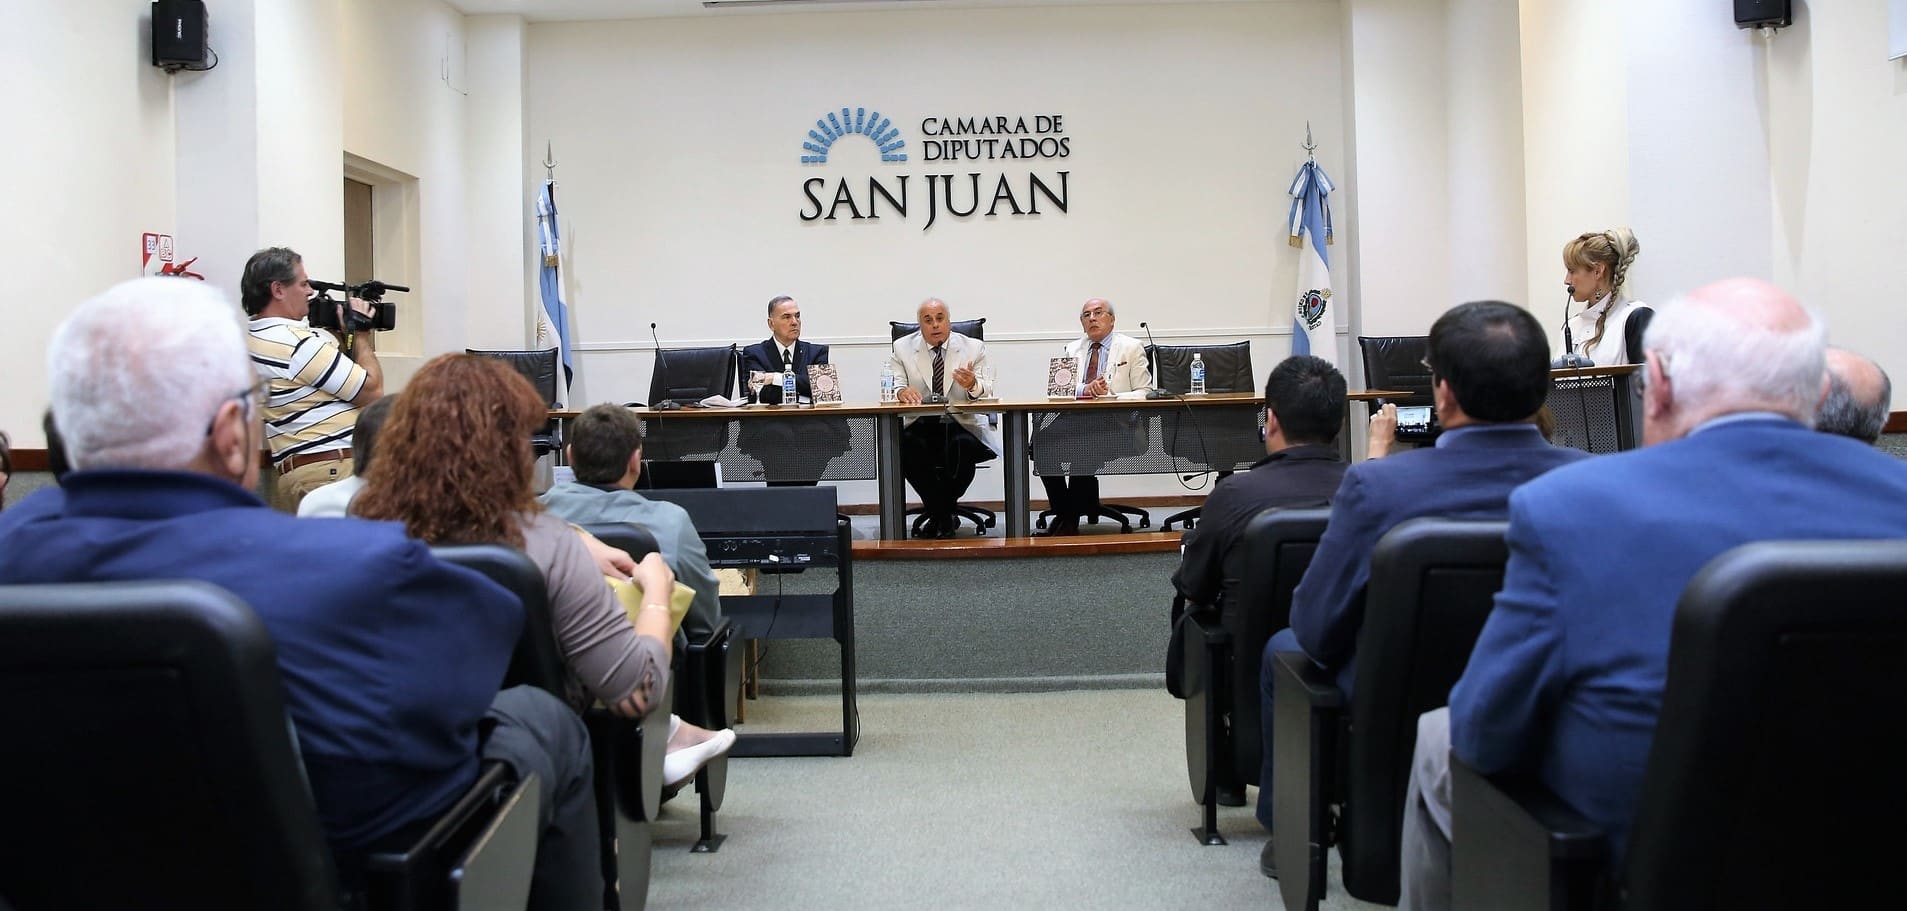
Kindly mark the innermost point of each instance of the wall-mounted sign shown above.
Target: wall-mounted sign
(997, 137)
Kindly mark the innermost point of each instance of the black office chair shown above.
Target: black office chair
(1227, 369)
(543, 369)
(1774, 780)
(628, 760)
(1433, 582)
(197, 799)
(686, 376)
(1223, 650)
(1397, 362)
(709, 682)
(981, 517)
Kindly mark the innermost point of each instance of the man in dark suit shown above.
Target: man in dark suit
(787, 459)
(1566, 679)
(1489, 367)
(781, 352)
(1304, 403)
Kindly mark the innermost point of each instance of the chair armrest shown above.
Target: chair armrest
(629, 758)
(712, 678)
(409, 868)
(1315, 684)
(1517, 846)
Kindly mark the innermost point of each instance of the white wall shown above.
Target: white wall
(679, 143)
(86, 167)
(1836, 111)
(1575, 136)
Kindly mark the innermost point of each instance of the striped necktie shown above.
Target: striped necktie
(940, 370)
(1092, 365)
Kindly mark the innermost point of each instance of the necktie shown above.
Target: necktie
(940, 371)
(1092, 365)
(788, 360)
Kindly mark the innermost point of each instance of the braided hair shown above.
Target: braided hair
(1615, 250)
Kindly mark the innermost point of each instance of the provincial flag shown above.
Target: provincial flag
(1314, 318)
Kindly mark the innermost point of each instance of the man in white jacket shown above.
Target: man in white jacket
(1110, 364)
(939, 454)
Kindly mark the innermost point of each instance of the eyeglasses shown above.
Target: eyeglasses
(250, 398)
(1090, 314)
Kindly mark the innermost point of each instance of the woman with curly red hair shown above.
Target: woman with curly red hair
(454, 465)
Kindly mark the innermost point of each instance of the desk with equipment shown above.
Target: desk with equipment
(775, 531)
(1178, 435)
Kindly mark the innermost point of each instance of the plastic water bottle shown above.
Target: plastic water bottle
(1198, 373)
(787, 387)
(888, 392)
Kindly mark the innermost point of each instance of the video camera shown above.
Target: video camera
(323, 313)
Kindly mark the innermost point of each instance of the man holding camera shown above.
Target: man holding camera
(313, 391)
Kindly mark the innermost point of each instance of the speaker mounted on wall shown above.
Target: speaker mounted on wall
(1769, 14)
(179, 35)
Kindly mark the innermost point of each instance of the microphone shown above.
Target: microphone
(1569, 359)
(662, 372)
(1155, 392)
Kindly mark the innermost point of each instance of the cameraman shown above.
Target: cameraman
(313, 390)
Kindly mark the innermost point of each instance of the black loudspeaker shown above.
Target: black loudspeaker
(178, 34)
(1764, 13)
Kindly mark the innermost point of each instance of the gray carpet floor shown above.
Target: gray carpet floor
(1059, 800)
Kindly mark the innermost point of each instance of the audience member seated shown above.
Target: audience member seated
(1859, 394)
(605, 450)
(334, 499)
(1566, 679)
(939, 453)
(1304, 403)
(1489, 366)
(454, 465)
(390, 659)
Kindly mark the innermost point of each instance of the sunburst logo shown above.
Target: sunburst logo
(857, 122)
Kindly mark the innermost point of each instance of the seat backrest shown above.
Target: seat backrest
(540, 367)
(1261, 572)
(625, 536)
(1779, 749)
(689, 375)
(1433, 582)
(1397, 362)
(1227, 367)
(971, 328)
(152, 760)
(538, 659)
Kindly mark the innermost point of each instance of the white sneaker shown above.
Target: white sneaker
(682, 764)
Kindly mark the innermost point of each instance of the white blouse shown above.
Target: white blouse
(1610, 350)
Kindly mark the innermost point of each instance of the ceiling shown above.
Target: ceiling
(571, 10)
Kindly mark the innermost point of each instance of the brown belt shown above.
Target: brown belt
(312, 458)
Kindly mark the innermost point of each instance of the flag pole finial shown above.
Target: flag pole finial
(1310, 147)
(549, 162)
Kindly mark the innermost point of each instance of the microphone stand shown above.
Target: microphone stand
(1570, 360)
(667, 402)
(1155, 392)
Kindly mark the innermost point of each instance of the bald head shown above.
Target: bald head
(935, 323)
(1859, 394)
(1738, 345)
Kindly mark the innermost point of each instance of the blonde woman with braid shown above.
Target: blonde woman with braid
(1609, 331)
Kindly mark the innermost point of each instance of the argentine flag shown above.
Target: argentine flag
(1314, 328)
(552, 319)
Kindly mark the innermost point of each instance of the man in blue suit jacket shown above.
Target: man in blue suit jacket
(389, 659)
(1489, 364)
(765, 361)
(1566, 679)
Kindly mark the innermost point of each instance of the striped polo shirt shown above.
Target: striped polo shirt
(308, 406)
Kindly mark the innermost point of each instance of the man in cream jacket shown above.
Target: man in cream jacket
(939, 452)
(1110, 364)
